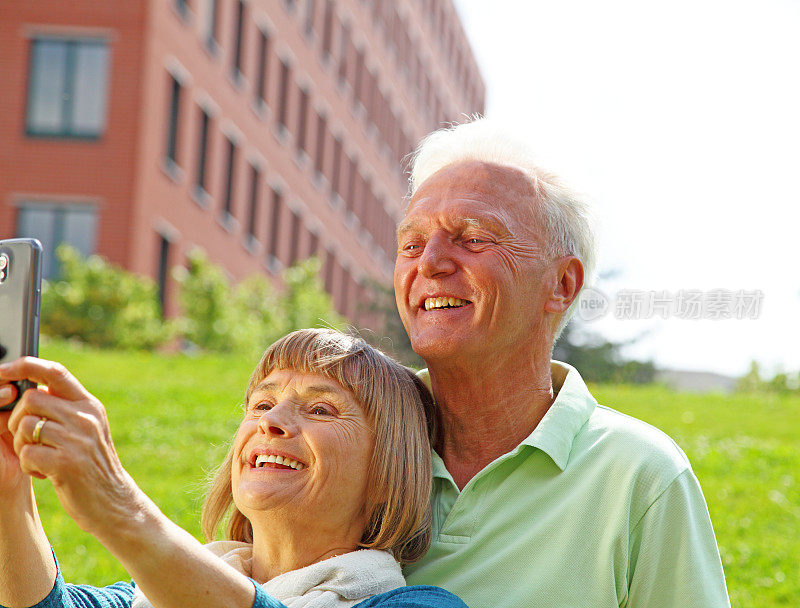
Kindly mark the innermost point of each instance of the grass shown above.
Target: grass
(172, 417)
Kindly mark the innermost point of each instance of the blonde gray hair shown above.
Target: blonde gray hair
(567, 219)
(403, 417)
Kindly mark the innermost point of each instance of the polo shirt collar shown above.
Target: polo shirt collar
(570, 410)
(556, 432)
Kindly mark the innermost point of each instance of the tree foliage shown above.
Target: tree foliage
(598, 359)
(102, 304)
(220, 316)
(106, 306)
(754, 381)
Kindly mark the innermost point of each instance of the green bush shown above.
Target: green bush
(304, 302)
(101, 304)
(245, 318)
(208, 319)
(105, 306)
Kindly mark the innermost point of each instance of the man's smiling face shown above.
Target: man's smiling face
(471, 235)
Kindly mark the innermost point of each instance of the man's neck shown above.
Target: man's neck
(488, 409)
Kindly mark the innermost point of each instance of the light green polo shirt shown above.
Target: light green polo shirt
(593, 509)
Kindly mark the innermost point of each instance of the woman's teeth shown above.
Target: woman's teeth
(444, 302)
(263, 459)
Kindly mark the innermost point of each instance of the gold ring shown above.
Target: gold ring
(37, 430)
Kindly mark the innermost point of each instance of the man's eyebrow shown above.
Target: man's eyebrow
(491, 221)
(408, 226)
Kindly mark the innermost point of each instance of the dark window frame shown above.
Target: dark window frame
(273, 243)
(58, 212)
(327, 30)
(302, 121)
(344, 51)
(202, 150)
(65, 131)
(238, 39)
(255, 186)
(283, 93)
(294, 243)
(263, 67)
(174, 120)
(162, 271)
(319, 154)
(338, 150)
(311, 10)
(230, 181)
(211, 40)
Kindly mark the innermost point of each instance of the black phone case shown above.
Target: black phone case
(20, 292)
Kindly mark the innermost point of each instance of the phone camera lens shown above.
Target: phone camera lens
(3, 261)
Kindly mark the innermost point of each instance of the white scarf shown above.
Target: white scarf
(338, 582)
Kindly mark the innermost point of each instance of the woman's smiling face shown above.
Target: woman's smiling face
(304, 446)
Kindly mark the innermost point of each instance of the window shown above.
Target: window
(53, 224)
(310, 14)
(67, 88)
(358, 85)
(313, 244)
(255, 179)
(362, 200)
(229, 181)
(352, 170)
(283, 95)
(172, 129)
(182, 6)
(343, 48)
(328, 270)
(261, 76)
(358, 194)
(237, 40)
(327, 30)
(202, 150)
(337, 165)
(319, 157)
(294, 244)
(302, 120)
(163, 270)
(210, 27)
(275, 220)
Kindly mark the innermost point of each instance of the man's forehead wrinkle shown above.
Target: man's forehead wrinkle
(485, 175)
(457, 216)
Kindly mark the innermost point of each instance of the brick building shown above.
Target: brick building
(262, 131)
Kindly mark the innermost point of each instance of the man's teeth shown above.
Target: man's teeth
(443, 302)
(262, 459)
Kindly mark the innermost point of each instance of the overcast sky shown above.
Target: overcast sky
(681, 121)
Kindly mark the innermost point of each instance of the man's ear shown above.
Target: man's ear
(569, 280)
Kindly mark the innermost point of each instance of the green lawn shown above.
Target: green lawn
(172, 417)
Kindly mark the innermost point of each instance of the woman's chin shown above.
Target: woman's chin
(262, 496)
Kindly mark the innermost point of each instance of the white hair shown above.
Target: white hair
(567, 218)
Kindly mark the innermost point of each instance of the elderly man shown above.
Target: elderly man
(541, 496)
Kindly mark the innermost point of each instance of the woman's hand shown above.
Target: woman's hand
(13, 482)
(24, 549)
(73, 448)
(75, 452)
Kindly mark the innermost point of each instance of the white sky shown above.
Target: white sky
(681, 121)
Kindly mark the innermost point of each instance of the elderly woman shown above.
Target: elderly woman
(325, 489)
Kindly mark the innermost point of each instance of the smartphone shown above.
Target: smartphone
(20, 292)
